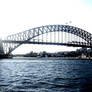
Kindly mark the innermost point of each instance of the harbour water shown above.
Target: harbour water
(27, 75)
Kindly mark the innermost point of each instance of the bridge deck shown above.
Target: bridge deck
(48, 43)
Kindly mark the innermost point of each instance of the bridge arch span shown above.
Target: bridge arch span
(32, 33)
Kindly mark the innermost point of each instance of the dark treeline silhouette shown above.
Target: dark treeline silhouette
(80, 53)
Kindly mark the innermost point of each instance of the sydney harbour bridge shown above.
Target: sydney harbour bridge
(50, 35)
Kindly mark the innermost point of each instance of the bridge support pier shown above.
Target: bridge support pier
(2, 54)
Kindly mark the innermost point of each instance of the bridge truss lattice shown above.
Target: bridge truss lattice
(57, 33)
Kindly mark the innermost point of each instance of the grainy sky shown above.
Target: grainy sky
(21, 15)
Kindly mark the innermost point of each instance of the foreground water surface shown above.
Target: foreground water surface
(26, 75)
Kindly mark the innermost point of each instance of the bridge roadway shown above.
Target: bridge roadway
(48, 43)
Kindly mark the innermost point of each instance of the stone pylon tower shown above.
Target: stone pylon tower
(1, 48)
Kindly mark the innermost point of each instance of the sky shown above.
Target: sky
(20, 15)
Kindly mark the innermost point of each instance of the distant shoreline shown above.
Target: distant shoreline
(52, 58)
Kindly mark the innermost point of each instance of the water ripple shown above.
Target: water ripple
(45, 76)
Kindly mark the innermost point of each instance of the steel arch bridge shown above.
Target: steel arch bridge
(49, 34)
